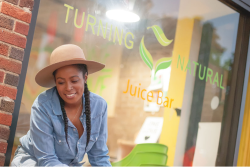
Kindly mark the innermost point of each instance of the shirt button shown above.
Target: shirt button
(78, 143)
(59, 141)
(74, 129)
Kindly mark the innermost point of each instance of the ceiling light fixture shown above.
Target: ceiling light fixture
(122, 15)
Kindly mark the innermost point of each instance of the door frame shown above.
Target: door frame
(232, 120)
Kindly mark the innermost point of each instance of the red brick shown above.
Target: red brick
(2, 160)
(4, 49)
(8, 91)
(12, 38)
(22, 28)
(6, 22)
(11, 79)
(4, 133)
(3, 146)
(15, 12)
(27, 3)
(10, 65)
(16, 53)
(5, 119)
(1, 76)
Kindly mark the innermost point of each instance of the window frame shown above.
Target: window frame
(232, 120)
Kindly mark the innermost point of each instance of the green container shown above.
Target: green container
(153, 158)
(152, 165)
(148, 147)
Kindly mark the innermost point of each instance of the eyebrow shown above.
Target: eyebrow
(70, 77)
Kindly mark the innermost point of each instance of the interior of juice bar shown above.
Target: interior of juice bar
(167, 77)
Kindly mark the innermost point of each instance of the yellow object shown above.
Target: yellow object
(244, 150)
(182, 45)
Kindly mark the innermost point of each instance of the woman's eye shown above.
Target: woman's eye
(60, 83)
(74, 81)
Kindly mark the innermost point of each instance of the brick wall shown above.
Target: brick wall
(15, 17)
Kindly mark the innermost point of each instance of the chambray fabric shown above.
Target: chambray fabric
(23, 158)
(45, 141)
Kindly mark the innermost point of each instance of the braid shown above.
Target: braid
(87, 112)
(65, 118)
(84, 69)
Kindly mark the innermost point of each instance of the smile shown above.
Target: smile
(70, 95)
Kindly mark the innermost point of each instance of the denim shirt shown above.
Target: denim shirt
(46, 138)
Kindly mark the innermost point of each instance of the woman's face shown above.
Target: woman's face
(70, 84)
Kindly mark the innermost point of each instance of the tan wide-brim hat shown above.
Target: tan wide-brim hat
(62, 56)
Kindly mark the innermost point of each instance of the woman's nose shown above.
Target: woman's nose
(68, 87)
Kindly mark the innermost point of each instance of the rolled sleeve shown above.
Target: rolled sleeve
(41, 131)
(98, 153)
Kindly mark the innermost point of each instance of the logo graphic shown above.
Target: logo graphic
(162, 63)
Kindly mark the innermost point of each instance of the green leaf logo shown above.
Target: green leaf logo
(163, 63)
(159, 34)
(145, 55)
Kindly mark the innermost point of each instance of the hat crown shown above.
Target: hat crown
(63, 56)
(66, 52)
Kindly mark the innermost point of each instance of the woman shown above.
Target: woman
(67, 120)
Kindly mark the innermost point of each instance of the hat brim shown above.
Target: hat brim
(45, 76)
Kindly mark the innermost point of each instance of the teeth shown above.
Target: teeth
(70, 95)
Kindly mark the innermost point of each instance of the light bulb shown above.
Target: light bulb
(122, 15)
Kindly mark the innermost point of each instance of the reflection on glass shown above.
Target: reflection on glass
(122, 15)
(177, 58)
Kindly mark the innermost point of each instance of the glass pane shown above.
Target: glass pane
(167, 75)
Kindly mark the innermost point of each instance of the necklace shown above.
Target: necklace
(76, 113)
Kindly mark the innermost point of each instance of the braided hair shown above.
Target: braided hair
(83, 68)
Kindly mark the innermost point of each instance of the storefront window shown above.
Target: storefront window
(168, 67)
